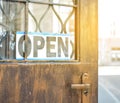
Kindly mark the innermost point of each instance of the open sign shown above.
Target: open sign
(44, 46)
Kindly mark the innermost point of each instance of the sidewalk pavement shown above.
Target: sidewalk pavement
(109, 85)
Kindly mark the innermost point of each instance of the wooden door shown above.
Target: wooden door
(57, 81)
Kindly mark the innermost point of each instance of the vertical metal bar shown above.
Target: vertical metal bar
(4, 8)
(7, 9)
(26, 29)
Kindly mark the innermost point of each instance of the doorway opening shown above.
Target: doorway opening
(109, 51)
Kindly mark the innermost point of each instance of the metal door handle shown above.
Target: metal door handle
(84, 86)
(80, 86)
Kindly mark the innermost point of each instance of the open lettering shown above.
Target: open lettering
(44, 47)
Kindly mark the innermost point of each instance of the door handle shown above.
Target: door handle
(80, 86)
(84, 86)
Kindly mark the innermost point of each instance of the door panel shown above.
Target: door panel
(45, 83)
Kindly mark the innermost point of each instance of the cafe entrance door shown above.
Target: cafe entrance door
(56, 80)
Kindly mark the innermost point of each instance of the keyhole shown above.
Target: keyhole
(85, 92)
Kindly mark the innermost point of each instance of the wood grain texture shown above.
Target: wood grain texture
(89, 31)
(43, 83)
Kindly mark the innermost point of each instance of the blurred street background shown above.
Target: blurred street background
(109, 51)
(109, 84)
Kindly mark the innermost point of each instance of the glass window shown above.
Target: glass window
(12, 19)
(37, 29)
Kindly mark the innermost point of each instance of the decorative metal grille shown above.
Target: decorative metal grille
(55, 16)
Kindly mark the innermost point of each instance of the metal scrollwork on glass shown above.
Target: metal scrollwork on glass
(33, 16)
(54, 7)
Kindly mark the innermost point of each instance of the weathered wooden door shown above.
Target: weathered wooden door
(50, 81)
